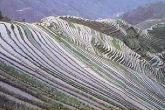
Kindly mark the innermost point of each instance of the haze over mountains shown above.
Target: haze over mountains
(149, 11)
(34, 10)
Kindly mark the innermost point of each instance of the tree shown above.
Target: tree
(4, 18)
(1, 16)
(23, 20)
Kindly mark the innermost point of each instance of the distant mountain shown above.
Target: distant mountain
(146, 13)
(34, 10)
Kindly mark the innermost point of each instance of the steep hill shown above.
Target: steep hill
(34, 10)
(76, 63)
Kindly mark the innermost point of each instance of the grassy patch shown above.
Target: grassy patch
(43, 89)
(116, 44)
(71, 24)
(7, 104)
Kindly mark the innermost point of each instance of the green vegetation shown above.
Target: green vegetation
(4, 18)
(102, 36)
(79, 30)
(42, 87)
(29, 35)
(7, 104)
(119, 21)
(116, 43)
(71, 24)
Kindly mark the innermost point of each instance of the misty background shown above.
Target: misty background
(34, 10)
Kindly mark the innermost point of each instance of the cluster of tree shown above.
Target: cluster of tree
(1, 16)
(4, 18)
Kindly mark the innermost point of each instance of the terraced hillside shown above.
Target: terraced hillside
(148, 23)
(75, 63)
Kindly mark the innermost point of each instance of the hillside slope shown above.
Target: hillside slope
(71, 62)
